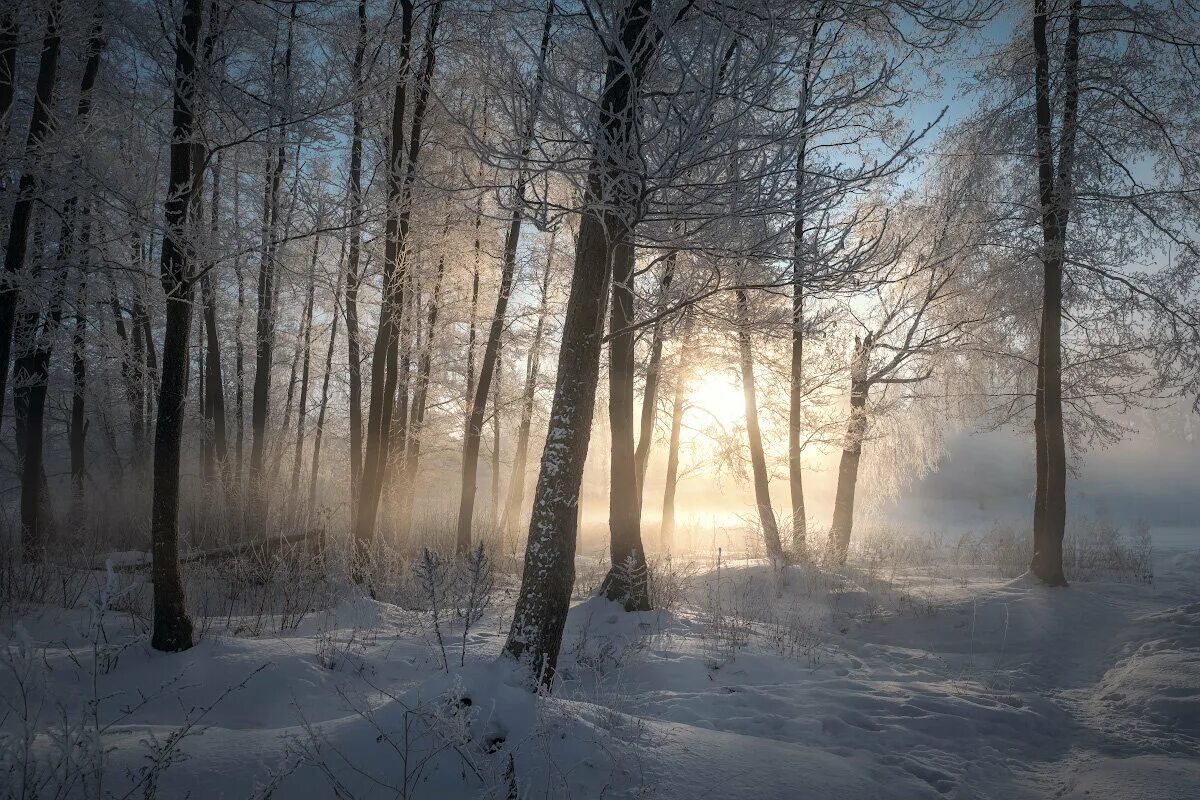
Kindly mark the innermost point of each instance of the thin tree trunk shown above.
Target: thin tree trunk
(352, 273)
(384, 367)
(549, 572)
(758, 461)
(495, 478)
(319, 433)
(214, 394)
(650, 390)
(796, 384)
(516, 483)
(172, 627)
(29, 392)
(265, 318)
(41, 124)
(77, 435)
(412, 454)
(302, 410)
(478, 406)
(678, 406)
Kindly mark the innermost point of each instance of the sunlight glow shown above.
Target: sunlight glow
(717, 395)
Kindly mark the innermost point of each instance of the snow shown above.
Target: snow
(851, 685)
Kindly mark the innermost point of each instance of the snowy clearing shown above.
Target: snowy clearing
(854, 685)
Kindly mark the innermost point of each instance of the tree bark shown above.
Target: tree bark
(41, 124)
(353, 348)
(758, 461)
(172, 627)
(626, 581)
(856, 430)
(1055, 197)
(549, 572)
(478, 406)
(799, 264)
(214, 395)
(32, 369)
(384, 367)
(302, 409)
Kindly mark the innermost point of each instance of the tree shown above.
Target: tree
(549, 571)
(172, 626)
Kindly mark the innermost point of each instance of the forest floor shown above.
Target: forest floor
(871, 683)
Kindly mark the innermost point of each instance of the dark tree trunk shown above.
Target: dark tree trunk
(758, 461)
(214, 390)
(131, 377)
(549, 572)
(172, 627)
(41, 124)
(856, 430)
(799, 265)
(265, 319)
(1055, 197)
(319, 433)
(353, 347)
(33, 365)
(384, 366)
(77, 434)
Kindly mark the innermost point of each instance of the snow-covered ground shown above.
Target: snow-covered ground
(869, 684)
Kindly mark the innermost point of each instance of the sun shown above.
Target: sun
(718, 396)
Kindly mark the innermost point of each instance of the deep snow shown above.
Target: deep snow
(844, 686)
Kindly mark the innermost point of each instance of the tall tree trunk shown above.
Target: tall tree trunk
(33, 365)
(302, 410)
(799, 264)
(77, 433)
(214, 394)
(319, 433)
(384, 366)
(478, 406)
(131, 375)
(626, 581)
(265, 318)
(678, 406)
(758, 461)
(172, 627)
(516, 483)
(41, 124)
(352, 272)
(1055, 195)
(412, 454)
(856, 430)
(650, 390)
(494, 510)
(549, 572)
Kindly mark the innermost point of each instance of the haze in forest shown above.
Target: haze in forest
(600, 398)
